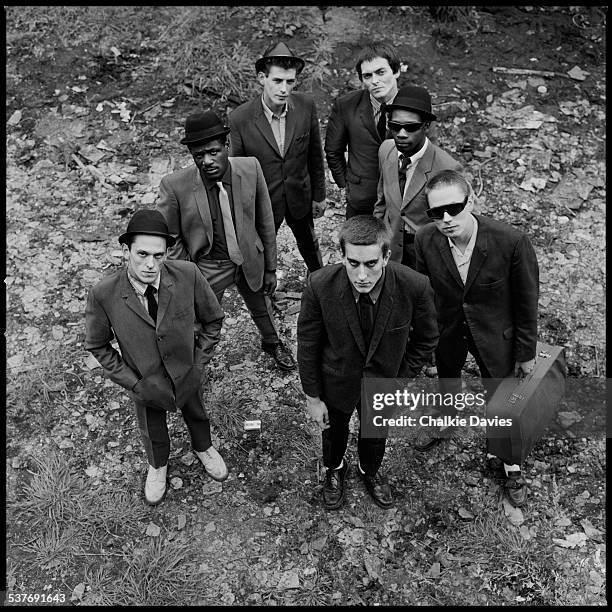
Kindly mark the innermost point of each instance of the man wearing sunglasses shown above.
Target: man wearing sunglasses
(484, 274)
(406, 162)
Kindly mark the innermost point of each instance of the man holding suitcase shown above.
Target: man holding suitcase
(484, 274)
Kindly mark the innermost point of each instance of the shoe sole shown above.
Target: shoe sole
(217, 479)
(156, 503)
(337, 505)
(427, 447)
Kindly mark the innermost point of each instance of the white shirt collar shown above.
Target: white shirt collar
(415, 158)
(142, 287)
(470, 246)
(268, 112)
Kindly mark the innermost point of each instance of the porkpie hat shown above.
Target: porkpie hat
(278, 51)
(203, 126)
(413, 98)
(147, 221)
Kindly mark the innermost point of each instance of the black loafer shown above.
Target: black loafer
(283, 357)
(515, 489)
(378, 488)
(333, 488)
(425, 441)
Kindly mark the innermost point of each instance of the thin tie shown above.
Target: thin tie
(381, 126)
(228, 225)
(151, 302)
(404, 163)
(366, 316)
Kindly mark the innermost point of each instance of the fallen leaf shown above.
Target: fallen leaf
(563, 522)
(78, 592)
(465, 514)
(514, 515)
(578, 74)
(91, 363)
(15, 118)
(93, 471)
(434, 570)
(153, 530)
(571, 541)
(176, 482)
(182, 521)
(524, 532)
(211, 487)
(289, 580)
(591, 532)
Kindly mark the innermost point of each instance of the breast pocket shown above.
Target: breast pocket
(491, 285)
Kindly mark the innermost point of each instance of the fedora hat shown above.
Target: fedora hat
(415, 99)
(279, 51)
(150, 222)
(203, 126)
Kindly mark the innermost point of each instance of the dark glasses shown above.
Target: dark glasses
(452, 209)
(395, 126)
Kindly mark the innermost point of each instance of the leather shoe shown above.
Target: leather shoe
(333, 488)
(515, 489)
(283, 357)
(213, 463)
(378, 488)
(425, 440)
(155, 485)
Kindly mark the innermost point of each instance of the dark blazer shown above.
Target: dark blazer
(351, 124)
(296, 178)
(331, 352)
(389, 202)
(500, 297)
(184, 204)
(114, 311)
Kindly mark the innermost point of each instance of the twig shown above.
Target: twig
(526, 71)
(480, 165)
(569, 210)
(80, 164)
(596, 362)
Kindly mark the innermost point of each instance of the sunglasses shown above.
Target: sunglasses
(452, 209)
(396, 126)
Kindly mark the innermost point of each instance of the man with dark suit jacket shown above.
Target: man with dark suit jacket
(218, 210)
(364, 317)
(485, 278)
(150, 308)
(357, 123)
(406, 162)
(281, 130)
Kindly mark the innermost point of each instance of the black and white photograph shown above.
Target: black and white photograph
(305, 305)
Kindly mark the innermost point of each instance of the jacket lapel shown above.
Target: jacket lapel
(290, 124)
(199, 192)
(128, 293)
(447, 257)
(392, 164)
(419, 176)
(479, 255)
(350, 310)
(238, 197)
(385, 307)
(262, 124)
(367, 116)
(165, 295)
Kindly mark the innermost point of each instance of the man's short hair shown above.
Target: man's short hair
(286, 63)
(448, 177)
(364, 230)
(370, 52)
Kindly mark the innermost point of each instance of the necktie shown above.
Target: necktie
(366, 316)
(404, 163)
(151, 302)
(381, 126)
(228, 226)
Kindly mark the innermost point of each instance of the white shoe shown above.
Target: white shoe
(213, 463)
(155, 485)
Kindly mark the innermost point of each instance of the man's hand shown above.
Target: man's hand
(318, 208)
(269, 284)
(152, 393)
(317, 411)
(522, 368)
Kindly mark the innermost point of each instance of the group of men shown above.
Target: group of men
(420, 273)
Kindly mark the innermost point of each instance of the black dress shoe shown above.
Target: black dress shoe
(283, 357)
(378, 488)
(333, 488)
(515, 489)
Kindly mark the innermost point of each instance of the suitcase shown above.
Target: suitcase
(530, 402)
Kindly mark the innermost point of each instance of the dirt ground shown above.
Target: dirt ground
(96, 101)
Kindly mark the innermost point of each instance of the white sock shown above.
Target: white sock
(511, 468)
(341, 464)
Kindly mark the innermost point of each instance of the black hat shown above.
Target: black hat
(412, 98)
(278, 51)
(149, 222)
(203, 126)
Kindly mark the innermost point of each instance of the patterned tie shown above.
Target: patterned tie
(151, 302)
(228, 226)
(366, 316)
(404, 163)
(382, 122)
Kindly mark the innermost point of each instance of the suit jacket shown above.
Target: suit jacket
(332, 354)
(295, 178)
(184, 204)
(390, 203)
(499, 300)
(148, 350)
(351, 124)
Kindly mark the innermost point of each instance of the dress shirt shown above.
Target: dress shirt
(277, 123)
(414, 160)
(462, 260)
(140, 289)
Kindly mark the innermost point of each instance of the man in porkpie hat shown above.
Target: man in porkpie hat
(281, 129)
(218, 211)
(406, 162)
(150, 308)
(357, 125)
